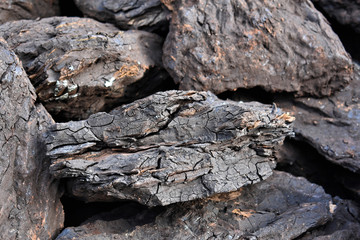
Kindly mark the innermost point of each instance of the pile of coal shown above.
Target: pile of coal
(140, 111)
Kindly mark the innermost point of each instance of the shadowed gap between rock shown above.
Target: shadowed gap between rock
(69, 9)
(349, 38)
(257, 94)
(78, 212)
(301, 159)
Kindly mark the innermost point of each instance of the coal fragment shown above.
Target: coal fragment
(80, 66)
(280, 46)
(281, 207)
(143, 14)
(30, 205)
(172, 146)
(332, 124)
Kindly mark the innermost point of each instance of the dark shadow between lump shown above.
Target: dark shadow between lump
(301, 159)
(78, 212)
(69, 9)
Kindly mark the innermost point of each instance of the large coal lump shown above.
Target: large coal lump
(172, 146)
(30, 205)
(280, 207)
(80, 66)
(280, 46)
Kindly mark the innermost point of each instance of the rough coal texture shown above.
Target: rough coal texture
(277, 45)
(332, 124)
(345, 224)
(171, 147)
(345, 12)
(80, 66)
(30, 207)
(142, 14)
(281, 207)
(11, 10)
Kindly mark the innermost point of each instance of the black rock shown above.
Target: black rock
(280, 46)
(172, 146)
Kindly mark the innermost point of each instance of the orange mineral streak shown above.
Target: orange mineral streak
(253, 35)
(173, 58)
(244, 214)
(187, 112)
(168, 4)
(71, 24)
(187, 28)
(226, 196)
(255, 125)
(127, 71)
(286, 117)
(212, 224)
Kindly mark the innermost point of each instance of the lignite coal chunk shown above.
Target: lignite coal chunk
(30, 206)
(80, 66)
(172, 146)
(280, 46)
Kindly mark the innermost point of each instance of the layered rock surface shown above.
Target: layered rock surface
(173, 146)
(30, 205)
(175, 151)
(143, 14)
(332, 124)
(280, 46)
(80, 66)
(11, 10)
(345, 223)
(281, 207)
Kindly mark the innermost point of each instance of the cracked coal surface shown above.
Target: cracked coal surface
(94, 146)
(170, 147)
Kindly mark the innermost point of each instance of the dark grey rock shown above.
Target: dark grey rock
(30, 205)
(141, 14)
(345, 224)
(331, 124)
(172, 146)
(280, 46)
(80, 66)
(281, 207)
(11, 10)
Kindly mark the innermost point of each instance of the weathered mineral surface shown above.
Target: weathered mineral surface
(331, 124)
(344, 225)
(345, 12)
(11, 10)
(30, 207)
(281, 207)
(172, 146)
(143, 14)
(80, 66)
(277, 45)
